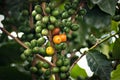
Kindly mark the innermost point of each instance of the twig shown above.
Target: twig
(31, 18)
(43, 8)
(15, 38)
(94, 46)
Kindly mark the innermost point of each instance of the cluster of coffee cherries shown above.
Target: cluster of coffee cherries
(52, 26)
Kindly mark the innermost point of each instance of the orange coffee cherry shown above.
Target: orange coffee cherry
(57, 39)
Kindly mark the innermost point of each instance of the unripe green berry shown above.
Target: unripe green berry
(38, 9)
(41, 41)
(53, 19)
(38, 17)
(38, 29)
(51, 27)
(44, 32)
(34, 13)
(33, 69)
(45, 19)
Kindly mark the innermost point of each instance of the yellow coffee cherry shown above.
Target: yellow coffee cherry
(50, 50)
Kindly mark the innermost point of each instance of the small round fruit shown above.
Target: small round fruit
(47, 10)
(39, 64)
(65, 14)
(59, 62)
(46, 65)
(64, 68)
(38, 9)
(57, 39)
(33, 69)
(55, 70)
(35, 50)
(38, 29)
(28, 44)
(45, 19)
(44, 32)
(55, 12)
(34, 13)
(42, 51)
(50, 50)
(33, 42)
(63, 75)
(25, 13)
(63, 37)
(47, 72)
(56, 31)
(41, 41)
(66, 62)
(38, 17)
(53, 19)
(22, 56)
(74, 27)
(50, 27)
(27, 52)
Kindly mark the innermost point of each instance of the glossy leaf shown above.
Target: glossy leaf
(116, 49)
(99, 64)
(97, 18)
(115, 74)
(107, 6)
(78, 72)
(9, 52)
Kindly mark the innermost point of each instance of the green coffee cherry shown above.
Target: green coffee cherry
(59, 62)
(38, 9)
(42, 51)
(55, 70)
(35, 50)
(63, 75)
(38, 29)
(55, 12)
(38, 17)
(33, 69)
(64, 68)
(53, 19)
(27, 52)
(28, 44)
(25, 13)
(74, 27)
(51, 27)
(41, 41)
(44, 32)
(66, 62)
(46, 65)
(34, 13)
(47, 10)
(45, 19)
(65, 14)
(33, 42)
(23, 57)
(39, 64)
(47, 72)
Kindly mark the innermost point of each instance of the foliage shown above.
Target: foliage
(78, 24)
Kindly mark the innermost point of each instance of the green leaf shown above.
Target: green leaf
(107, 6)
(97, 18)
(114, 26)
(99, 64)
(9, 53)
(78, 72)
(115, 74)
(12, 73)
(116, 49)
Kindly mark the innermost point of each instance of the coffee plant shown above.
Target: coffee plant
(53, 32)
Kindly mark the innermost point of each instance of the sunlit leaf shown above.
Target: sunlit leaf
(99, 64)
(77, 71)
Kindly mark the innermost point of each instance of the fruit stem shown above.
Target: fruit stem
(31, 18)
(94, 46)
(15, 38)
(43, 8)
